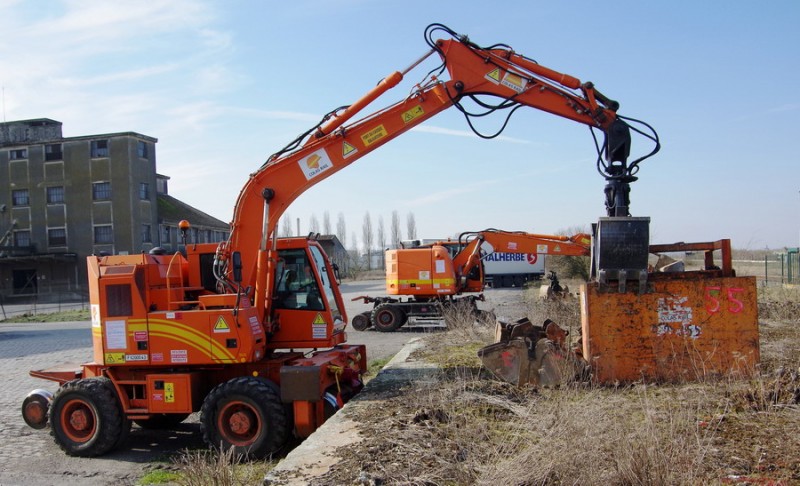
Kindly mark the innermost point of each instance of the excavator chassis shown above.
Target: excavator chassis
(391, 313)
(253, 407)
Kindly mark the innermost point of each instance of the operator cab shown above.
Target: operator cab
(304, 300)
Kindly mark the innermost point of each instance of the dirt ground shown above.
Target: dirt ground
(468, 428)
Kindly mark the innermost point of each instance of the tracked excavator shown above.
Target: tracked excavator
(209, 329)
(437, 278)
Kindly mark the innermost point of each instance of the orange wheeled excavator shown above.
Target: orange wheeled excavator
(222, 329)
(435, 277)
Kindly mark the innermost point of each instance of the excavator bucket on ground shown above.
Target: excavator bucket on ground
(532, 354)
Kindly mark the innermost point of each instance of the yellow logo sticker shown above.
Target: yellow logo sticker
(319, 319)
(348, 149)
(221, 325)
(517, 83)
(494, 75)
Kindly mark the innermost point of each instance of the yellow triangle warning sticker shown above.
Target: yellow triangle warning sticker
(348, 149)
(221, 325)
(494, 75)
(319, 319)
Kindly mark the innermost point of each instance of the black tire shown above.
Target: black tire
(387, 318)
(160, 421)
(245, 414)
(86, 418)
(361, 321)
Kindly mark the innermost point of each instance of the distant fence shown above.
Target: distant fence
(775, 269)
(54, 300)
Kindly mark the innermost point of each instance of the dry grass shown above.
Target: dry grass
(206, 467)
(465, 428)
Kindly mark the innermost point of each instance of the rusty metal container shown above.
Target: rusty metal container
(686, 327)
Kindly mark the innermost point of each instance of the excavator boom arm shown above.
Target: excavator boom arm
(333, 145)
(515, 242)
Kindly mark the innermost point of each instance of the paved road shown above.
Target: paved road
(30, 457)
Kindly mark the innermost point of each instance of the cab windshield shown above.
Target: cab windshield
(296, 285)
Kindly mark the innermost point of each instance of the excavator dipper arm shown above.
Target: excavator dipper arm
(334, 144)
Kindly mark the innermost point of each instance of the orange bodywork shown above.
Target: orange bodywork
(165, 338)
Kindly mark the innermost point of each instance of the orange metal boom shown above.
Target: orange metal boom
(332, 146)
(516, 242)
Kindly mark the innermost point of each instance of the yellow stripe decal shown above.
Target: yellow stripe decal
(191, 336)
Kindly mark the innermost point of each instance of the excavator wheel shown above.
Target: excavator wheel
(245, 414)
(86, 417)
(361, 321)
(161, 421)
(387, 317)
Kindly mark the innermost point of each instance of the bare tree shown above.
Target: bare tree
(395, 230)
(355, 259)
(326, 222)
(286, 225)
(341, 230)
(366, 238)
(411, 226)
(313, 224)
(381, 241)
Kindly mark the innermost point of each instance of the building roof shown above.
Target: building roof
(171, 210)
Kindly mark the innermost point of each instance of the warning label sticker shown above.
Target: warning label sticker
(494, 75)
(169, 392)
(413, 113)
(374, 135)
(114, 358)
(542, 249)
(348, 149)
(179, 356)
(221, 325)
(517, 83)
(319, 331)
(319, 328)
(315, 164)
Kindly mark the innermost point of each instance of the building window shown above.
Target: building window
(53, 152)
(103, 235)
(55, 194)
(166, 234)
(57, 237)
(141, 149)
(99, 148)
(147, 237)
(20, 197)
(18, 154)
(144, 191)
(22, 238)
(101, 191)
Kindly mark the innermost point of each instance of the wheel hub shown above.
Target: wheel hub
(240, 422)
(79, 420)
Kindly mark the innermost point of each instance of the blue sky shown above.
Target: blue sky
(223, 85)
